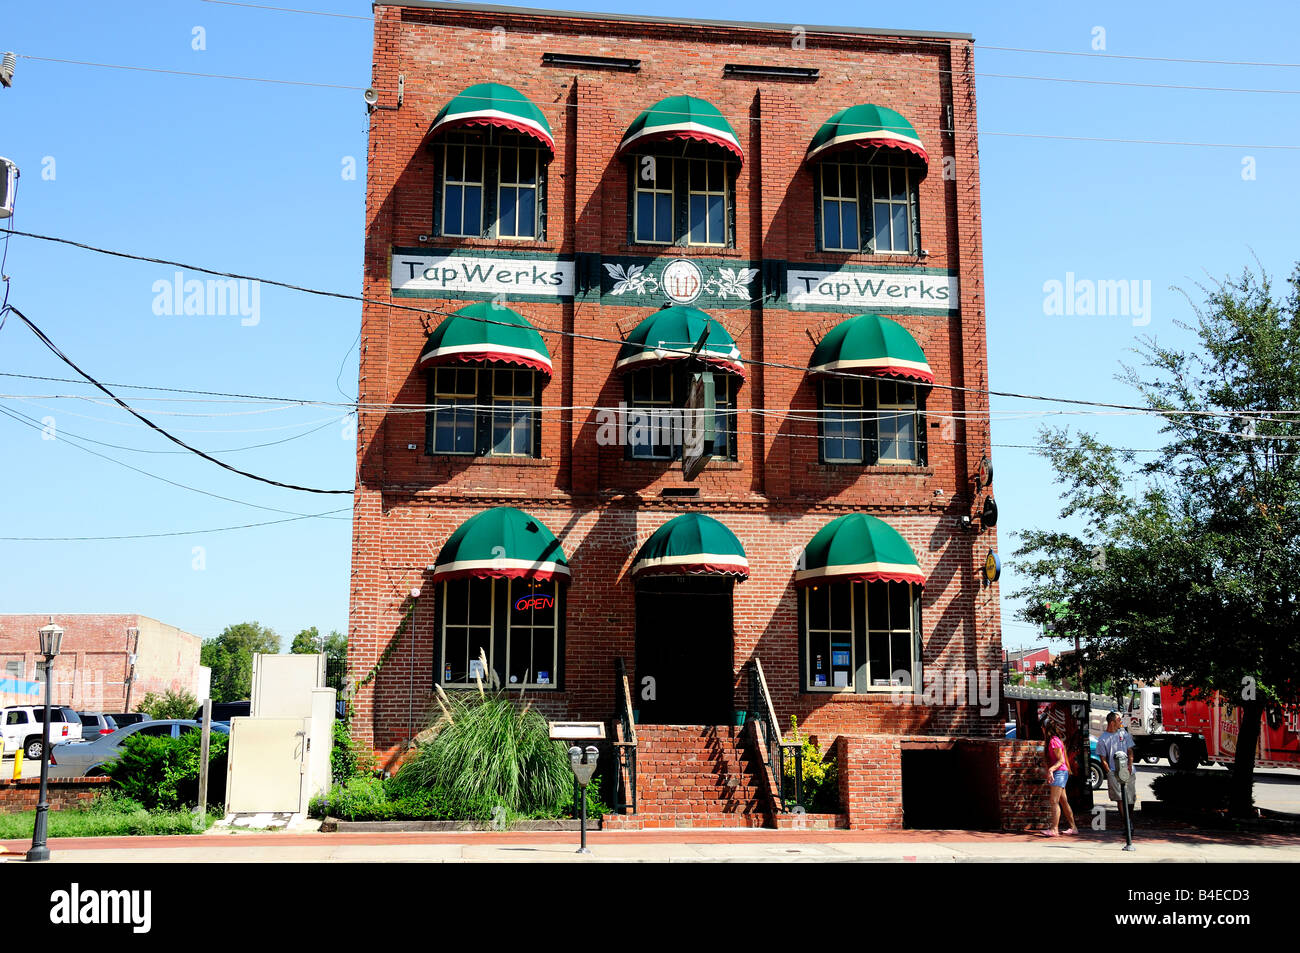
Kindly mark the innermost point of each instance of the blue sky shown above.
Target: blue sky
(248, 177)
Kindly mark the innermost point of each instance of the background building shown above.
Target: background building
(558, 206)
(108, 663)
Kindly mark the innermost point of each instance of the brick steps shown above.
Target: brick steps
(694, 776)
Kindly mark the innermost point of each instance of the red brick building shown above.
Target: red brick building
(558, 206)
(108, 662)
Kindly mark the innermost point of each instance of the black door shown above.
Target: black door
(683, 651)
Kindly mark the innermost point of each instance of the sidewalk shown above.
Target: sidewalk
(670, 847)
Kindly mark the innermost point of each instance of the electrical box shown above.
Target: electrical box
(8, 185)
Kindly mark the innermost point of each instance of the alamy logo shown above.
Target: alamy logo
(214, 296)
(1102, 298)
(76, 906)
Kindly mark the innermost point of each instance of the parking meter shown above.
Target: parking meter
(1124, 777)
(583, 763)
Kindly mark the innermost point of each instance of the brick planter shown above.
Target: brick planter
(23, 794)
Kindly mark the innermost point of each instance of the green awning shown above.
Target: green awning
(866, 126)
(486, 331)
(682, 117)
(858, 548)
(501, 543)
(670, 334)
(494, 104)
(873, 345)
(692, 544)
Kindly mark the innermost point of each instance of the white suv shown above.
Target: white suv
(21, 727)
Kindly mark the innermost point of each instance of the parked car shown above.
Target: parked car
(89, 758)
(95, 723)
(224, 711)
(124, 718)
(21, 727)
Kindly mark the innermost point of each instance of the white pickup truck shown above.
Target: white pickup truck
(22, 725)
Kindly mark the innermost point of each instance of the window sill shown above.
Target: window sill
(470, 459)
(659, 466)
(682, 251)
(493, 243)
(899, 469)
(869, 258)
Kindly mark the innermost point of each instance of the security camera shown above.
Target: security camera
(370, 96)
(925, 253)
(415, 593)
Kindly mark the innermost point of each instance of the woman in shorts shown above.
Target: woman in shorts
(1058, 773)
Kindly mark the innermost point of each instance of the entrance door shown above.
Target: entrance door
(684, 669)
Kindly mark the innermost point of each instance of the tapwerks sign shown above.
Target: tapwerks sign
(703, 282)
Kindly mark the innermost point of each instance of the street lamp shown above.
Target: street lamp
(583, 769)
(51, 641)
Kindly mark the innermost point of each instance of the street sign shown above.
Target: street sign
(577, 730)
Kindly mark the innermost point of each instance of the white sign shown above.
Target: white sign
(809, 288)
(682, 280)
(577, 730)
(483, 276)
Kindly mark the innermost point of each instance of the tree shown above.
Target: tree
(1187, 567)
(230, 656)
(309, 641)
(170, 704)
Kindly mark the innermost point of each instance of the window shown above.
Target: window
(483, 411)
(155, 731)
(656, 396)
(872, 421)
(16, 718)
(492, 185)
(15, 668)
(860, 636)
(515, 624)
(683, 200)
(867, 207)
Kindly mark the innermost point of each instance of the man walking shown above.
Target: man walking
(1114, 739)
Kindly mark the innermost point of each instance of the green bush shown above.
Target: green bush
(488, 752)
(821, 790)
(1194, 790)
(169, 705)
(164, 772)
(348, 758)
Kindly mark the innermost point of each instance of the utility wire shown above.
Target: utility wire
(185, 532)
(177, 72)
(54, 348)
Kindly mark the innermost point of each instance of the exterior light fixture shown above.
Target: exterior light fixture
(51, 637)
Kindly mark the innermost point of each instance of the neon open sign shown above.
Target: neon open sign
(523, 603)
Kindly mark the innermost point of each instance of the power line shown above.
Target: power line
(174, 439)
(618, 341)
(177, 72)
(72, 441)
(315, 13)
(186, 532)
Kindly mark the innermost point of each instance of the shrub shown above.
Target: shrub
(164, 772)
(170, 704)
(821, 794)
(1194, 790)
(349, 759)
(488, 752)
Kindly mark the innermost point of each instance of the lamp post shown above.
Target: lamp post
(51, 641)
(583, 764)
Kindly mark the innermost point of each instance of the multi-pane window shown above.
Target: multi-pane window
(462, 189)
(656, 420)
(867, 207)
(860, 636)
(892, 646)
(514, 624)
(871, 421)
(492, 185)
(683, 200)
(828, 641)
(483, 411)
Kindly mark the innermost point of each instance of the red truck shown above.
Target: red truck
(1206, 730)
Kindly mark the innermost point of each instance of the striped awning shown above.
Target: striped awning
(682, 117)
(486, 331)
(501, 543)
(866, 126)
(870, 344)
(858, 548)
(494, 104)
(692, 544)
(670, 334)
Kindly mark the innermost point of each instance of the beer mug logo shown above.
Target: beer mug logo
(682, 280)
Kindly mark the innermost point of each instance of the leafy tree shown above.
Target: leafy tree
(169, 704)
(1187, 568)
(309, 641)
(230, 656)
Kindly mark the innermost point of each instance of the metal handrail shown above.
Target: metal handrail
(624, 740)
(774, 748)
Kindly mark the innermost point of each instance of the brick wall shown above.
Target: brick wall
(1023, 785)
(90, 672)
(599, 505)
(24, 794)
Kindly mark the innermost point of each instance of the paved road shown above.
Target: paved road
(1276, 789)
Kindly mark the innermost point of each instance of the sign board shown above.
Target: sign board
(698, 424)
(455, 274)
(577, 730)
(913, 291)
